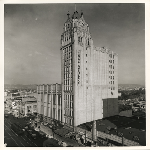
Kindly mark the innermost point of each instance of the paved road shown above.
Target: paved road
(14, 140)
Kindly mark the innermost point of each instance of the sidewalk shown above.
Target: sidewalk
(49, 132)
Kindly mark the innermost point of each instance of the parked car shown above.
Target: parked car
(51, 143)
(32, 134)
(6, 115)
(28, 126)
(16, 129)
(41, 134)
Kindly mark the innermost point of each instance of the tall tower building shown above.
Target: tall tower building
(89, 75)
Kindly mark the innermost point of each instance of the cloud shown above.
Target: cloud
(30, 55)
(38, 53)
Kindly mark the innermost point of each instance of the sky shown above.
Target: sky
(32, 35)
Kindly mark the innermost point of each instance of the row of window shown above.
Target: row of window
(111, 61)
(54, 100)
(111, 77)
(67, 38)
(79, 76)
(111, 66)
(111, 56)
(67, 97)
(80, 40)
(69, 121)
(67, 49)
(67, 104)
(68, 69)
(68, 65)
(67, 26)
(112, 88)
(68, 82)
(68, 112)
(67, 56)
(67, 76)
(111, 82)
(68, 88)
(111, 72)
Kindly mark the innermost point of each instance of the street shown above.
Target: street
(14, 140)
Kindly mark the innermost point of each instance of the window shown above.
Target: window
(88, 42)
(71, 105)
(71, 122)
(86, 55)
(71, 113)
(78, 39)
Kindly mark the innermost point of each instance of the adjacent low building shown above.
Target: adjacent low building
(23, 106)
(49, 101)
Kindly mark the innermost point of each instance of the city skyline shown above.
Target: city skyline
(32, 36)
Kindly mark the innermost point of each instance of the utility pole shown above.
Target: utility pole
(75, 7)
(94, 131)
(122, 141)
(85, 136)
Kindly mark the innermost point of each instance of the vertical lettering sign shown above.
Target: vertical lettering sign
(79, 69)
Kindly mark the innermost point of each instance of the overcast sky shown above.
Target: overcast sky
(32, 39)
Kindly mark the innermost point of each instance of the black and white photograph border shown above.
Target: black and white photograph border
(95, 37)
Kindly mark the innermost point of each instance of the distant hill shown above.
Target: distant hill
(33, 86)
(130, 85)
(20, 86)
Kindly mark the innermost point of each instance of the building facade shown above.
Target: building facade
(23, 106)
(49, 101)
(89, 75)
(89, 78)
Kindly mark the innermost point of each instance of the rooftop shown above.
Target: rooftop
(129, 126)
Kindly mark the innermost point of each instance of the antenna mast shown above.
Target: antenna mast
(75, 7)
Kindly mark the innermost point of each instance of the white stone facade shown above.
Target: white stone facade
(89, 75)
(49, 101)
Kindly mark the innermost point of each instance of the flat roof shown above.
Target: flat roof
(129, 126)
